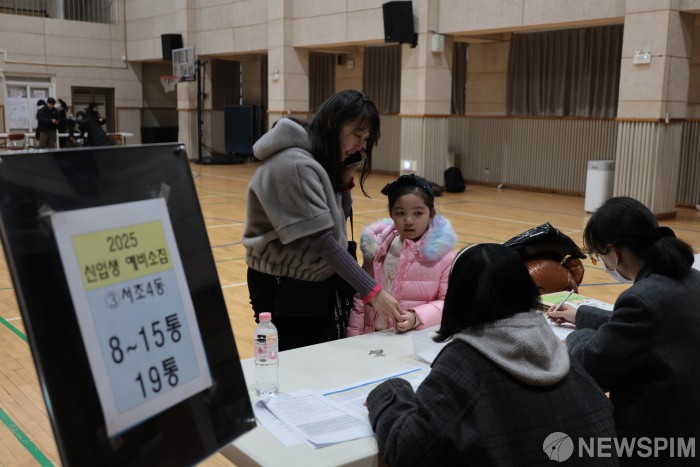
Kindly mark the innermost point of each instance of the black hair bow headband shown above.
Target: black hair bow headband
(408, 180)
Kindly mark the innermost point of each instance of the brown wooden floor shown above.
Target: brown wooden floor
(481, 214)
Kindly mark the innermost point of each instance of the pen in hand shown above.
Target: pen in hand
(562, 302)
(565, 315)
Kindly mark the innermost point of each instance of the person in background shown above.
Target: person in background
(641, 351)
(501, 386)
(410, 255)
(94, 114)
(47, 123)
(96, 135)
(295, 234)
(62, 109)
(39, 104)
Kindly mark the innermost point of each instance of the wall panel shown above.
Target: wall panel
(541, 153)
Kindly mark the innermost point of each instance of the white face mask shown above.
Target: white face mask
(613, 272)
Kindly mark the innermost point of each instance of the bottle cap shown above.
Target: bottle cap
(265, 317)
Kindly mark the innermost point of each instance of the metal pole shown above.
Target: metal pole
(200, 96)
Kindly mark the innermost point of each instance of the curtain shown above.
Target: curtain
(459, 78)
(321, 78)
(571, 72)
(381, 78)
(225, 84)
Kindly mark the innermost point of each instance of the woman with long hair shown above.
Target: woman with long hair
(299, 266)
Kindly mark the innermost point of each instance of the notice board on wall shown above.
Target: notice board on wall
(122, 304)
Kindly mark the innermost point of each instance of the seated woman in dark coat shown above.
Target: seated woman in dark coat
(500, 391)
(644, 351)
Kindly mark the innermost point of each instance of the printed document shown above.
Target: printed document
(311, 416)
(352, 398)
(327, 417)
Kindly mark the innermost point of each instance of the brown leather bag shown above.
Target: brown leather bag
(551, 257)
(553, 276)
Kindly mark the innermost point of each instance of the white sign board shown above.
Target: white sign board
(17, 113)
(134, 309)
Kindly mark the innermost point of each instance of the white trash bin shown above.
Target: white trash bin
(600, 179)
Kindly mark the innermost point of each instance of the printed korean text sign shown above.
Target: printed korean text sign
(134, 309)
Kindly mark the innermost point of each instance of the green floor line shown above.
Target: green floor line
(13, 329)
(22, 438)
(14, 429)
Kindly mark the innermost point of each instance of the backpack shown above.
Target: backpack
(454, 181)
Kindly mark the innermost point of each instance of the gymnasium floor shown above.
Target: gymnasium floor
(481, 214)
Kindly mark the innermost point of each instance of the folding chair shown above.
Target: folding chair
(16, 141)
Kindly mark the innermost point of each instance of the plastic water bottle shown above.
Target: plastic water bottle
(266, 357)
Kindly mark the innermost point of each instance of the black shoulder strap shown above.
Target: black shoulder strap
(352, 227)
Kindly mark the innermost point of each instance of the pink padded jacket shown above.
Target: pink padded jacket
(421, 277)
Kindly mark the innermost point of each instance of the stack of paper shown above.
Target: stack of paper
(327, 417)
(306, 416)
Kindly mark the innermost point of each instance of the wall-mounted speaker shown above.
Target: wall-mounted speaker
(398, 22)
(170, 42)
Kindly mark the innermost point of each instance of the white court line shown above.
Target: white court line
(368, 211)
(13, 319)
(219, 226)
(481, 216)
(234, 285)
(226, 177)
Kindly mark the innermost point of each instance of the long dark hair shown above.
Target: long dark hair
(488, 282)
(342, 108)
(625, 222)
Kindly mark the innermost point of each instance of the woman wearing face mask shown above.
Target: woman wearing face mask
(644, 351)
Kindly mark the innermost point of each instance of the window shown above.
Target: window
(103, 96)
(22, 95)
(92, 11)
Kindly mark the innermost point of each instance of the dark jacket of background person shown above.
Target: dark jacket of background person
(92, 113)
(647, 354)
(47, 122)
(96, 135)
(472, 411)
(39, 104)
(45, 116)
(62, 109)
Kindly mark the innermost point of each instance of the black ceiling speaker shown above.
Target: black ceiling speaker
(398, 23)
(170, 42)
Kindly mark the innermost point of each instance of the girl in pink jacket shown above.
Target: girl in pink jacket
(410, 255)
